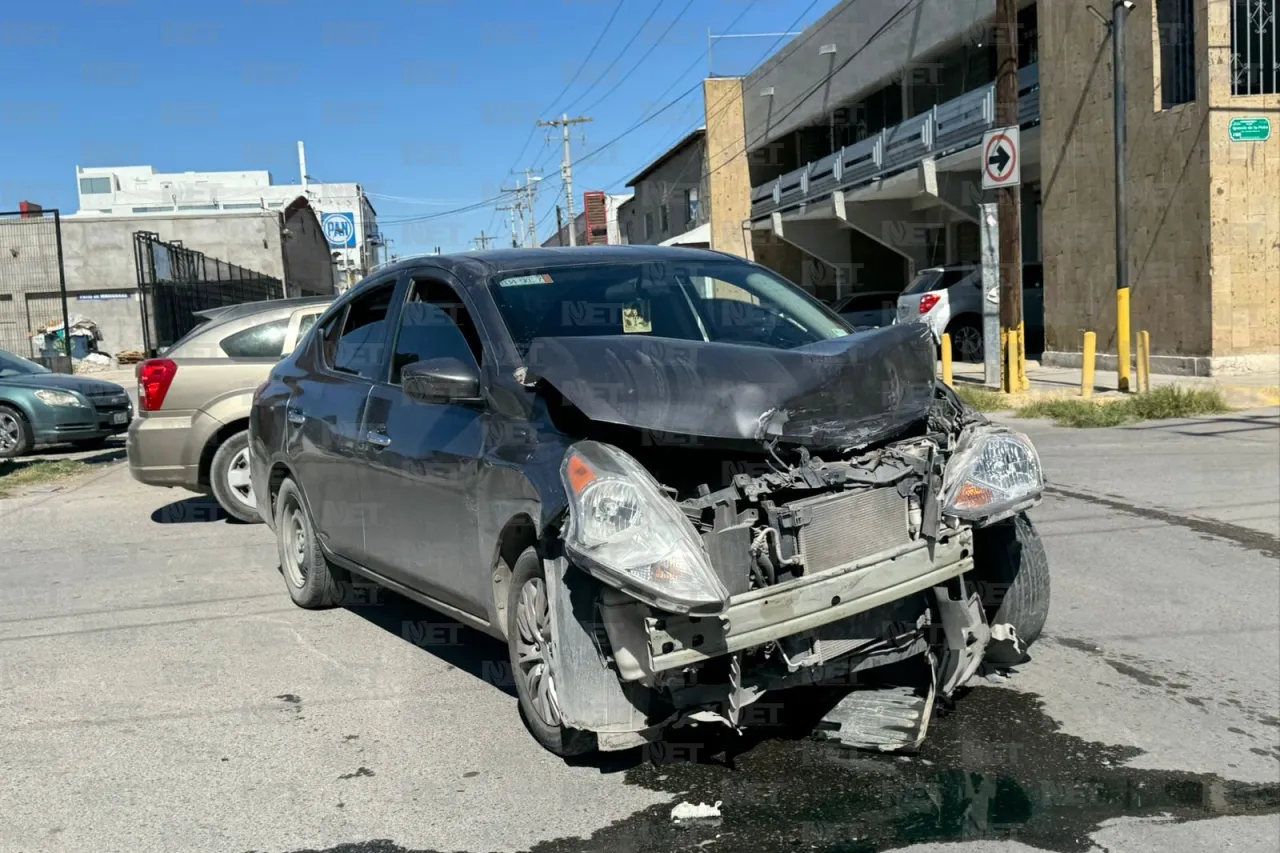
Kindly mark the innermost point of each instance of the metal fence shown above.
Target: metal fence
(174, 282)
(33, 287)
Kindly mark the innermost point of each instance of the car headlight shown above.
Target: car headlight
(58, 398)
(623, 528)
(995, 472)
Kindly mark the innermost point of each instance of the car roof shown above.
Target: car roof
(243, 309)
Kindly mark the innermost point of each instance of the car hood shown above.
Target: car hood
(844, 392)
(63, 382)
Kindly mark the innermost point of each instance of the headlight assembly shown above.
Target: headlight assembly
(994, 473)
(58, 398)
(624, 529)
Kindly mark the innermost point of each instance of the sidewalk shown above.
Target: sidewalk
(1247, 390)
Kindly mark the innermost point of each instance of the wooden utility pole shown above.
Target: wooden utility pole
(1009, 203)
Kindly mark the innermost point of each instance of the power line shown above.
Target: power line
(641, 60)
(621, 53)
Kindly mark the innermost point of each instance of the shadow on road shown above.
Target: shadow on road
(198, 509)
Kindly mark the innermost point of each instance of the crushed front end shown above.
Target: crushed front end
(812, 566)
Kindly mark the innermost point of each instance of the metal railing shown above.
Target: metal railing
(945, 129)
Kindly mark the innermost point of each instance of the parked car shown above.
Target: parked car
(194, 401)
(868, 310)
(38, 406)
(670, 480)
(948, 300)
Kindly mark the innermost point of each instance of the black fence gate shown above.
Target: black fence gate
(33, 287)
(174, 282)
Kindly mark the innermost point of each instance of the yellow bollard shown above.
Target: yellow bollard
(946, 361)
(1024, 384)
(1144, 362)
(1011, 363)
(1087, 364)
(1123, 352)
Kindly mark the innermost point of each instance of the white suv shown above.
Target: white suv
(949, 299)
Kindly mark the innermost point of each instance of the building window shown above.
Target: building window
(95, 186)
(1176, 29)
(1255, 64)
(164, 209)
(648, 226)
(253, 206)
(197, 207)
(691, 206)
(664, 214)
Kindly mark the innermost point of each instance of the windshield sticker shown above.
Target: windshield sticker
(635, 318)
(519, 280)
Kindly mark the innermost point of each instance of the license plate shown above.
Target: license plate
(118, 417)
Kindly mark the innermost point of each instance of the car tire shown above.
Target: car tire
(528, 643)
(1011, 572)
(15, 433)
(312, 582)
(229, 477)
(966, 340)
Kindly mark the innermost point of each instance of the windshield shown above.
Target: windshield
(728, 302)
(16, 365)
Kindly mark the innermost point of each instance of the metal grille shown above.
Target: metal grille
(33, 287)
(845, 527)
(1255, 61)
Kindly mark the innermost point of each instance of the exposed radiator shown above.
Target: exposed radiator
(847, 526)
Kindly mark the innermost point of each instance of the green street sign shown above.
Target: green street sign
(1250, 129)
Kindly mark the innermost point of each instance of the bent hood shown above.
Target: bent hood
(844, 392)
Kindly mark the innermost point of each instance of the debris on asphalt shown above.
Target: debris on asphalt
(699, 812)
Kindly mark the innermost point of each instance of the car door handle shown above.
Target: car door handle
(377, 439)
(295, 417)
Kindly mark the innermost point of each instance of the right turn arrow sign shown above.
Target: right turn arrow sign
(1001, 158)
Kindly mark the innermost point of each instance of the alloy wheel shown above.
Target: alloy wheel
(533, 650)
(10, 432)
(968, 343)
(238, 479)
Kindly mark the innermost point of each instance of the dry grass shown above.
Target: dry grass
(1169, 401)
(984, 400)
(17, 474)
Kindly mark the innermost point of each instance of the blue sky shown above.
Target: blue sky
(426, 102)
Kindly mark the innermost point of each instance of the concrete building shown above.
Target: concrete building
(102, 274)
(614, 204)
(349, 219)
(670, 207)
(859, 141)
(1204, 209)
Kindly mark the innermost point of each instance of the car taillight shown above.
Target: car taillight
(928, 301)
(154, 378)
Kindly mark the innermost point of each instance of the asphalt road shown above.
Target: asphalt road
(160, 693)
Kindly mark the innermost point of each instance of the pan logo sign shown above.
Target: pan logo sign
(339, 229)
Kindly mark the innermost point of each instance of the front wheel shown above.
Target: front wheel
(1011, 571)
(15, 433)
(229, 477)
(529, 642)
(311, 581)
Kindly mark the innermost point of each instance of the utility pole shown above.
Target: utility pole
(1009, 203)
(566, 165)
(559, 226)
(515, 242)
(1120, 10)
(482, 242)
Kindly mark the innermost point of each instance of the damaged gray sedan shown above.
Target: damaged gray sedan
(671, 481)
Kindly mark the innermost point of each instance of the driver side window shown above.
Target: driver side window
(434, 323)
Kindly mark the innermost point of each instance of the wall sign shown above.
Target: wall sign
(1250, 129)
(339, 229)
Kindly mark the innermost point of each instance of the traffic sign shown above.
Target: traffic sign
(1250, 129)
(1001, 158)
(339, 229)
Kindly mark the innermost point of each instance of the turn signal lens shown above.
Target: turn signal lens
(154, 378)
(972, 496)
(580, 474)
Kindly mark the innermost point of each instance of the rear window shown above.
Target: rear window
(931, 280)
(265, 340)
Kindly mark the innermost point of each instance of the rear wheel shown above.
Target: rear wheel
(311, 581)
(229, 477)
(966, 340)
(15, 433)
(529, 641)
(1011, 571)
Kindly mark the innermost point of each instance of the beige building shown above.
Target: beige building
(1204, 210)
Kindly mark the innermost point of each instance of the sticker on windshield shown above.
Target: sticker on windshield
(519, 280)
(635, 318)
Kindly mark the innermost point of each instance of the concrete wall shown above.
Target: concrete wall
(1244, 215)
(729, 178)
(1168, 185)
(666, 184)
(853, 27)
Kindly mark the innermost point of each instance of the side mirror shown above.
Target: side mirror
(441, 380)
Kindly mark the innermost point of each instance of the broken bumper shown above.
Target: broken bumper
(645, 643)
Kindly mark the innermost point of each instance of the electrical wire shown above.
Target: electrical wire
(621, 53)
(646, 55)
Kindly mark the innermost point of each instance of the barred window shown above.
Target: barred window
(1255, 64)
(1176, 25)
